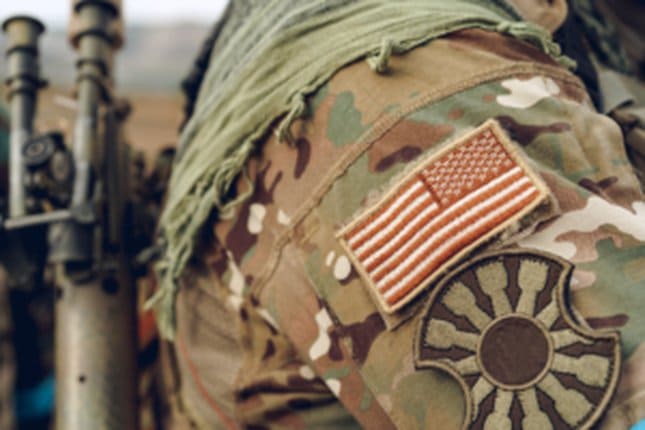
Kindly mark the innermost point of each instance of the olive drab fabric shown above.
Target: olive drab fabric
(278, 323)
(626, 16)
(612, 30)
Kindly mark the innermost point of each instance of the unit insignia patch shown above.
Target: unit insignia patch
(500, 325)
(472, 189)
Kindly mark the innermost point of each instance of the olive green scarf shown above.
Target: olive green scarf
(281, 52)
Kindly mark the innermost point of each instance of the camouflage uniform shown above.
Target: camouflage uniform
(277, 325)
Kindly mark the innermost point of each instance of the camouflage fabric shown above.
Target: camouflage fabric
(626, 16)
(601, 32)
(277, 328)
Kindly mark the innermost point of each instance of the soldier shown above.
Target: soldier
(447, 235)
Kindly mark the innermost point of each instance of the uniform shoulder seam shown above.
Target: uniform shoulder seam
(384, 124)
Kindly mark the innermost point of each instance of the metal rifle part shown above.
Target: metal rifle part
(23, 83)
(79, 199)
(96, 325)
(22, 253)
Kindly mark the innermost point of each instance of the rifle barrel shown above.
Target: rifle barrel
(23, 82)
(95, 313)
(93, 68)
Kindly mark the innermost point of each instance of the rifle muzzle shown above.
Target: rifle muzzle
(23, 82)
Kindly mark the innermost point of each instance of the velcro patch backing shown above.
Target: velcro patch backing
(470, 190)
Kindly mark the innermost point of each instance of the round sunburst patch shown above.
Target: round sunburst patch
(501, 326)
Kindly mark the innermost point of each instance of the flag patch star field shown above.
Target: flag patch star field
(467, 192)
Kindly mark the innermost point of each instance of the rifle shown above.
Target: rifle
(80, 195)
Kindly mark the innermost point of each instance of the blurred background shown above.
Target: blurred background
(161, 41)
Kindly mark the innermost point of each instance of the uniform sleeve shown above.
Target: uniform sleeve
(486, 161)
(560, 275)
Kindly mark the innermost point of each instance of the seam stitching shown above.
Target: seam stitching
(382, 126)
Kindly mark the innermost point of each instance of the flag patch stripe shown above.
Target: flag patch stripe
(466, 237)
(445, 225)
(374, 260)
(439, 222)
(387, 214)
(381, 237)
(464, 194)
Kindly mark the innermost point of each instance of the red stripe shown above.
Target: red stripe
(414, 217)
(458, 245)
(441, 221)
(367, 224)
(454, 231)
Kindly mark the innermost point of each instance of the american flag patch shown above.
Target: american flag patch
(466, 193)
